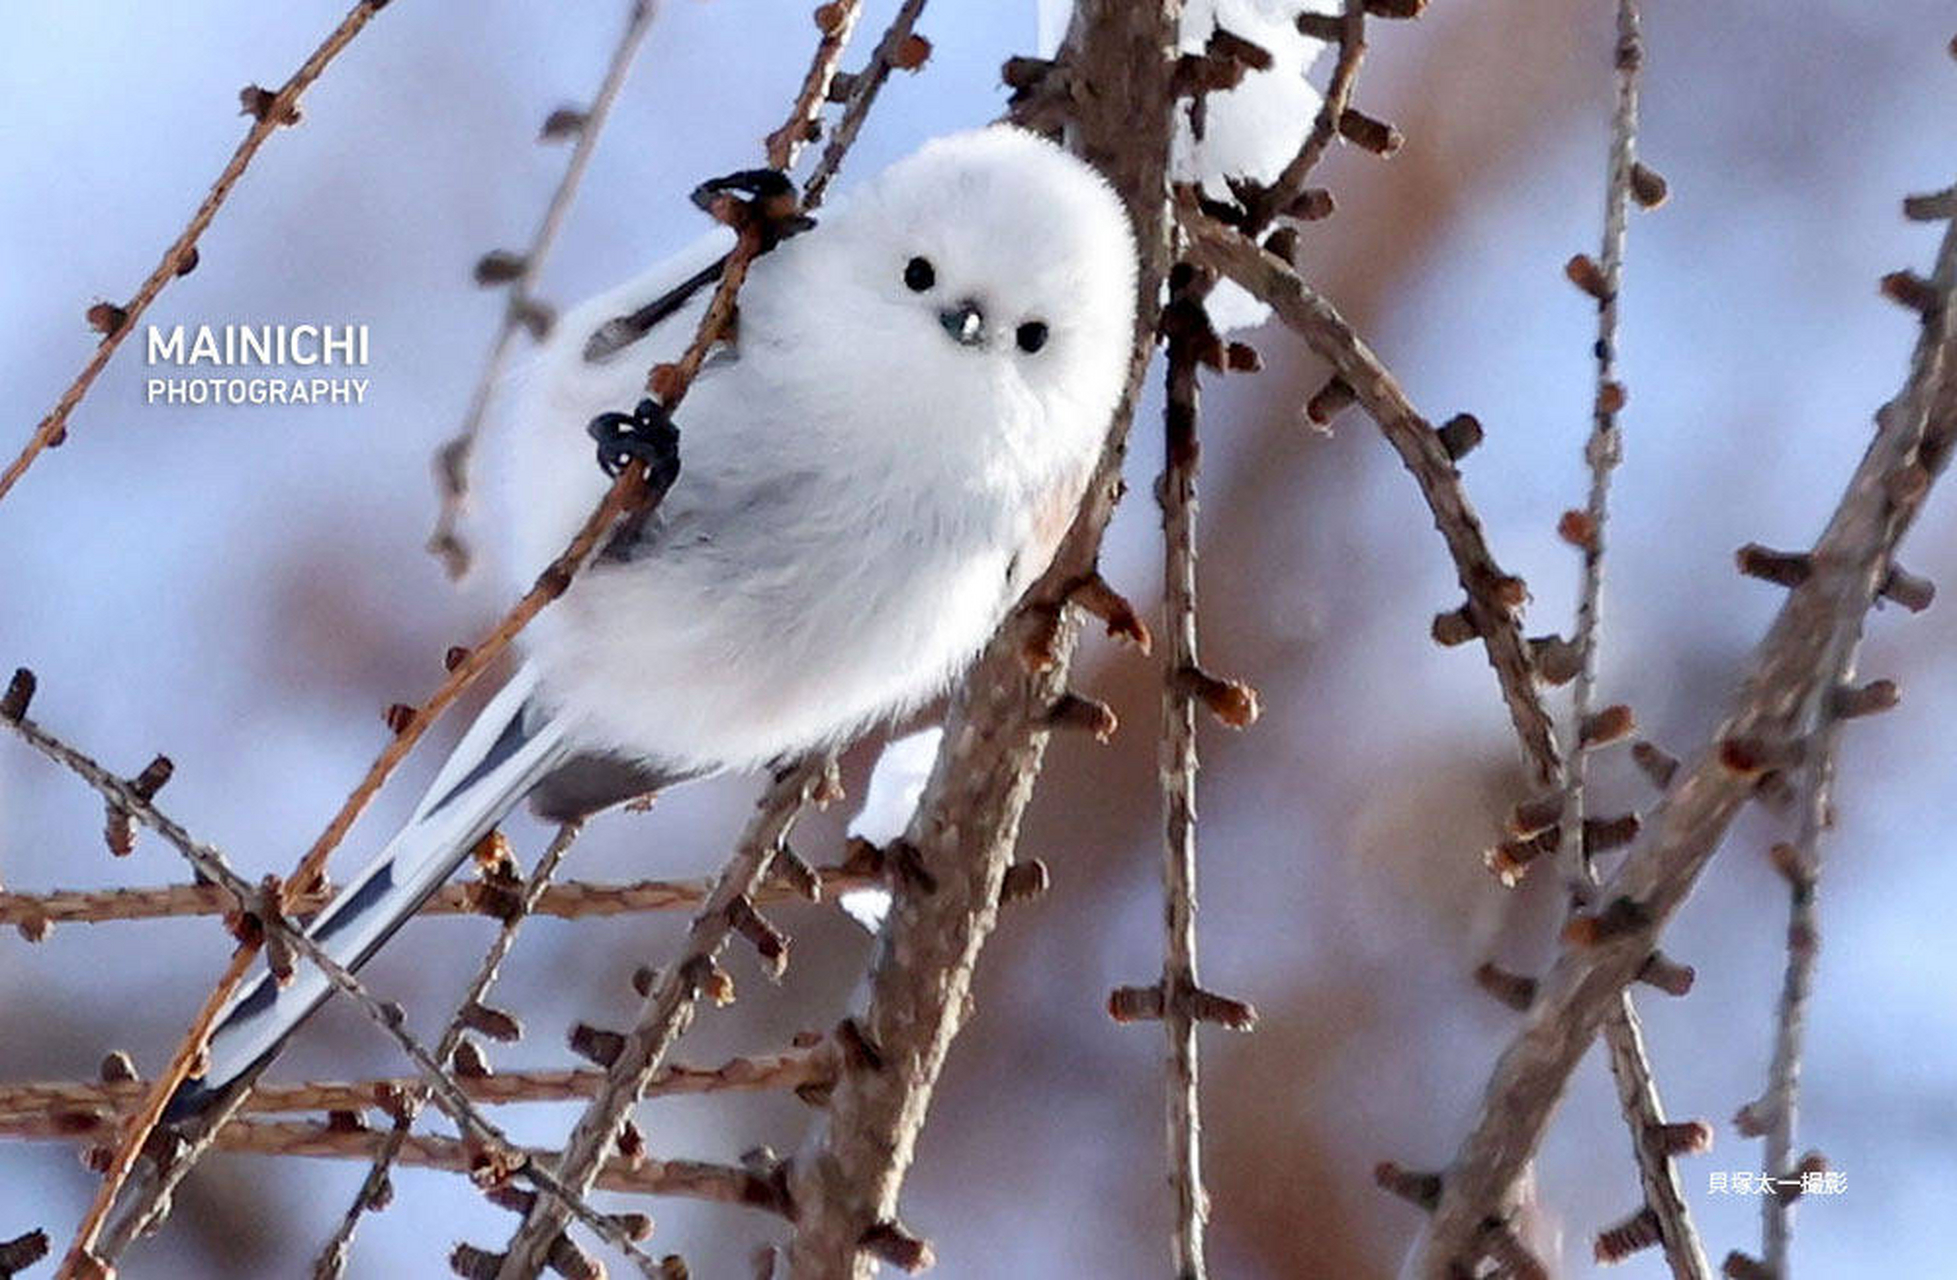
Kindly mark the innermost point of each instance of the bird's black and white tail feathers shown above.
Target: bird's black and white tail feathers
(498, 761)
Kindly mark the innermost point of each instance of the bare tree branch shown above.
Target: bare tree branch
(266, 920)
(269, 112)
(1178, 998)
(667, 1013)
(898, 43)
(1603, 451)
(333, 1258)
(1630, 1063)
(1788, 698)
(1786, 704)
(566, 899)
(1494, 598)
(1779, 1107)
(1268, 203)
(690, 1178)
(21, 1101)
(521, 309)
(1121, 62)
(630, 498)
(1183, 1118)
(670, 1008)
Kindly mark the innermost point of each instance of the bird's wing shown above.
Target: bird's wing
(497, 762)
(541, 466)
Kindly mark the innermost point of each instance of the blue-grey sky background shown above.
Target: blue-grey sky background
(244, 588)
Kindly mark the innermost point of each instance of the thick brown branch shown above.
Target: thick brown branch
(1120, 58)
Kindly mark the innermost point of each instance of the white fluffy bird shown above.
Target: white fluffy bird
(870, 476)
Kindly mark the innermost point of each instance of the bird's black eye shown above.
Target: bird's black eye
(1031, 336)
(919, 275)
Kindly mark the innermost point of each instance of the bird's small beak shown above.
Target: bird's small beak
(965, 323)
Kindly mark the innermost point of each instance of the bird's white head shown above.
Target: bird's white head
(986, 281)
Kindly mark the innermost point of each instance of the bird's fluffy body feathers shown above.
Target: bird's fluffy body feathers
(860, 495)
(870, 475)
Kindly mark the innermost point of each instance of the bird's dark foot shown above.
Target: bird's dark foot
(772, 204)
(647, 433)
(759, 184)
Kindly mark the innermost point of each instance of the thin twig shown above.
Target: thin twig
(668, 1011)
(670, 1007)
(211, 862)
(452, 460)
(836, 23)
(630, 497)
(22, 1100)
(566, 899)
(1644, 1114)
(1630, 1063)
(332, 1259)
(1176, 492)
(1121, 58)
(694, 1179)
(270, 113)
(1781, 713)
(1494, 597)
(626, 494)
(1267, 203)
(1780, 1106)
(670, 382)
(863, 91)
(1603, 450)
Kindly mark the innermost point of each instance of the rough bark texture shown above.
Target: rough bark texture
(1121, 58)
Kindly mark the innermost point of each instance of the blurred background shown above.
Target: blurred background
(245, 589)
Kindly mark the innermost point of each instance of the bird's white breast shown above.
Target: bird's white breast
(829, 555)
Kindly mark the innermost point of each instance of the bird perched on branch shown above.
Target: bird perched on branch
(874, 469)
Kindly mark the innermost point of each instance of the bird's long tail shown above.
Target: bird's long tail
(498, 760)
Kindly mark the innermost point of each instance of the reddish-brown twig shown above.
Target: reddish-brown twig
(270, 112)
(565, 899)
(864, 87)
